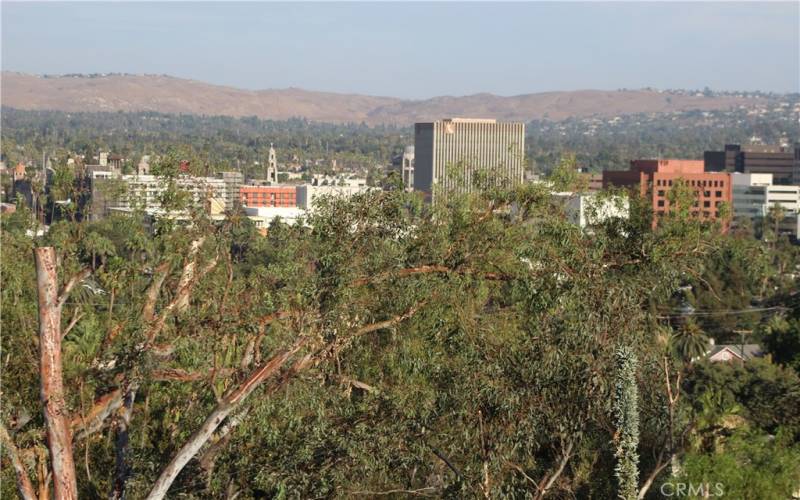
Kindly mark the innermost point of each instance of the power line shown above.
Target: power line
(724, 312)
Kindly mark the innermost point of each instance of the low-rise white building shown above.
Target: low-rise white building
(262, 217)
(308, 194)
(754, 195)
(588, 209)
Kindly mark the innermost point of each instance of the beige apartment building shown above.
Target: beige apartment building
(463, 155)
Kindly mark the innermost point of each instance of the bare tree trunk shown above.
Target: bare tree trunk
(24, 485)
(59, 437)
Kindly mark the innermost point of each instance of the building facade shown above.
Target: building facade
(589, 209)
(145, 191)
(307, 195)
(782, 162)
(233, 181)
(268, 196)
(461, 155)
(404, 164)
(655, 178)
(754, 195)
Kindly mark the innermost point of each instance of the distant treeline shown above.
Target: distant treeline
(227, 142)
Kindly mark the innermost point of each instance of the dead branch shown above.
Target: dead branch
(153, 291)
(418, 492)
(76, 316)
(661, 464)
(179, 375)
(524, 474)
(103, 407)
(547, 482)
(70, 284)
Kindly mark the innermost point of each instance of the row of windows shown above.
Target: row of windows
(706, 194)
(696, 183)
(706, 204)
(695, 213)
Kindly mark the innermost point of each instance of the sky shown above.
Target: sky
(416, 50)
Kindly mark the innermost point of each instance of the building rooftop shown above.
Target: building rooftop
(750, 350)
(470, 120)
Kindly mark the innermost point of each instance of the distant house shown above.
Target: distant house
(734, 352)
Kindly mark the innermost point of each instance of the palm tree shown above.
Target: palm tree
(776, 214)
(98, 246)
(691, 341)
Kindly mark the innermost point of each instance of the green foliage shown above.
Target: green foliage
(747, 465)
(492, 360)
(565, 176)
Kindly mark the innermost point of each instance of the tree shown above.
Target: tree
(223, 362)
(691, 342)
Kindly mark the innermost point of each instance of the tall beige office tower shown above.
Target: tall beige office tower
(463, 155)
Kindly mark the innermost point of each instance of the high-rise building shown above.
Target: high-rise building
(460, 155)
(782, 162)
(655, 178)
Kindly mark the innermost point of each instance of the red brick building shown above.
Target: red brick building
(268, 196)
(654, 179)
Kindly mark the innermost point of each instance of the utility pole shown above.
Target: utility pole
(742, 333)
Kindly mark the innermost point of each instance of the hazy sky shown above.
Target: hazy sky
(416, 50)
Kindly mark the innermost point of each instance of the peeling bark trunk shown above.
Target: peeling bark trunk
(59, 437)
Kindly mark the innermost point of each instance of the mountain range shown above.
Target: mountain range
(166, 94)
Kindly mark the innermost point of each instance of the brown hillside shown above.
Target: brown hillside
(174, 95)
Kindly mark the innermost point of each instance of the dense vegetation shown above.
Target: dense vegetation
(393, 348)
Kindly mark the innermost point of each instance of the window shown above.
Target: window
(706, 204)
(661, 193)
(706, 193)
(660, 203)
(719, 194)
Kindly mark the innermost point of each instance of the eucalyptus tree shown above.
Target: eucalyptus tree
(465, 348)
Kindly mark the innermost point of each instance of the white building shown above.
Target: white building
(308, 194)
(145, 191)
(407, 167)
(588, 209)
(754, 195)
(262, 217)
